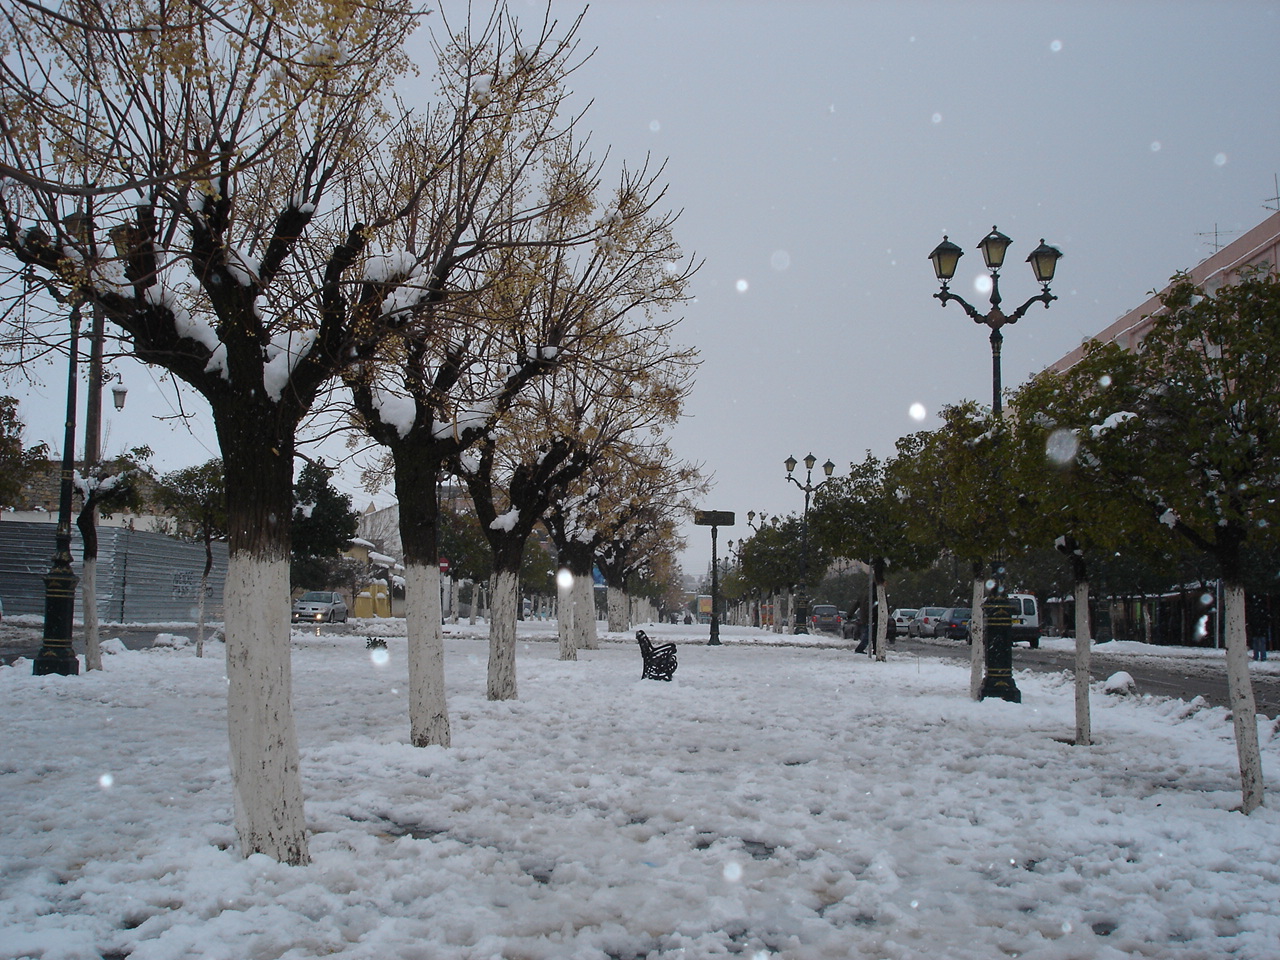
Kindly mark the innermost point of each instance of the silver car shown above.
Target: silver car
(925, 621)
(320, 606)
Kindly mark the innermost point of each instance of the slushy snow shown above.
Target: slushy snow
(772, 800)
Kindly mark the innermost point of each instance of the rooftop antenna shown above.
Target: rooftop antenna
(1217, 234)
(1267, 204)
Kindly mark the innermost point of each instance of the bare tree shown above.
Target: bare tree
(239, 258)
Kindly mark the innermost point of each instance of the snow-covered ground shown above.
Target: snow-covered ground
(771, 801)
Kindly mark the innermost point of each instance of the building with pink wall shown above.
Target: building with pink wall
(1259, 247)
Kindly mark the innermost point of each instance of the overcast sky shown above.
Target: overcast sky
(820, 150)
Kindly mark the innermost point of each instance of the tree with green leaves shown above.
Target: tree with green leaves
(18, 462)
(197, 498)
(862, 517)
(1063, 501)
(1188, 427)
(324, 522)
(956, 495)
(772, 559)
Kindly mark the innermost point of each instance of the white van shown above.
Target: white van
(1026, 619)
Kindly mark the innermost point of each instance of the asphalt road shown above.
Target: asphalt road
(1159, 676)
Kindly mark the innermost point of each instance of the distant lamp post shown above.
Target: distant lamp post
(996, 609)
(801, 624)
(714, 519)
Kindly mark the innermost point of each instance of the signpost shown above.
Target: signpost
(714, 519)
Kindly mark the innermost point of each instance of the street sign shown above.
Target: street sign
(713, 518)
(444, 564)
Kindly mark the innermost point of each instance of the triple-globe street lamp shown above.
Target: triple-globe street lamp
(801, 619)
(997, 610)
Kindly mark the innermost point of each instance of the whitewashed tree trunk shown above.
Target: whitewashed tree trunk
(584, 613)
(565, 611)
(502, 636)
(978, 634)
(453, 599)
(428, 706)
(89, 609)
(1084, 645)
(1148, 617)
(264, 745)
(619, 609)
(882, 623)
(475, 602)
(1244, 709)
(204, 590)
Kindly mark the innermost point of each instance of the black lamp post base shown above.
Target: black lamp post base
(997, 615)
(56, 656)
(994, 685)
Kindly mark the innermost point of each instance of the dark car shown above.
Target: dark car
(825, 618)
(320, 606)
(954, 623)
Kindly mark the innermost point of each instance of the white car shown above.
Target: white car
(902, 617)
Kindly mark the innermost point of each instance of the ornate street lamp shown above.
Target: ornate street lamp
(996, 609)
(1044, 260)
(56, 652)
(801, 624)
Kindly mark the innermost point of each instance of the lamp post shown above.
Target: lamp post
(714, 519)
(56, 653)
(801, 624)
(996, 608)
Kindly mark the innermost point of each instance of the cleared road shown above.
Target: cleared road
(1161, 676)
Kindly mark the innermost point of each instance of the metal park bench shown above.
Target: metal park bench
(659, 661)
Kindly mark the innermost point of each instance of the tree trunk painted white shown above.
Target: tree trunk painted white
(89, 609)
(453, 599)
(502, 636)
(475, 602)
(619, 610)
(882, 623)
(1084, 645)
(1244, 709)
(428, 707)
(584, 613)
(978, 634)
(204, 590)
(1148, 620)
(264, 744)
(565, 611)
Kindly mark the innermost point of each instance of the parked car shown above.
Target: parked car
(902, 617)
(320, 606)
(825, 618)
(924, 622)
(954, 623)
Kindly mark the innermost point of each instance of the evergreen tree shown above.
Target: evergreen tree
(17, 462)
(323, 524)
